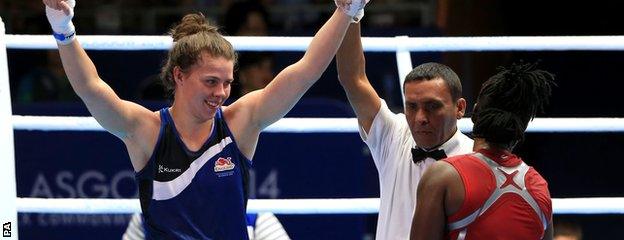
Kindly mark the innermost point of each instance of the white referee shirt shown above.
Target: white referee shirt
(390, 142)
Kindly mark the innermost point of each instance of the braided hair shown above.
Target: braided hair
(508, 101)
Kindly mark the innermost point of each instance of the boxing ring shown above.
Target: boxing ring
(401, 45)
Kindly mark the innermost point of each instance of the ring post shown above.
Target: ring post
(404, 61)
(8, 192)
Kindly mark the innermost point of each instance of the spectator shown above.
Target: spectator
(247, 18)
(46, 83)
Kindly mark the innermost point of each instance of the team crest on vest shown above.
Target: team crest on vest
(224, 164)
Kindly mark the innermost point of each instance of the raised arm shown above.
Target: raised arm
(273, 102)
(115, 115)
(352, 75)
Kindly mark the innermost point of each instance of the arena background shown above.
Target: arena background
(95, 164)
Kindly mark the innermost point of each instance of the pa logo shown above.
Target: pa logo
(6, 229)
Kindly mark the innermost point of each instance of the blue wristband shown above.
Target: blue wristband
(62, 37)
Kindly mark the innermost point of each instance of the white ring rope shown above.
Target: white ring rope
(370, 44)
(290, 206)
(344, 125)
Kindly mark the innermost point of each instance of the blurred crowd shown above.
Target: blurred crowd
(156, 16)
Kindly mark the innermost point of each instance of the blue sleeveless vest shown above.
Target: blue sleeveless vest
(194, 195)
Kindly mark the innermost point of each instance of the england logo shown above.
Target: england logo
(224, 164)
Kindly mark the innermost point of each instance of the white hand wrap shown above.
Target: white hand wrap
(64, 31)
(352, 7)
(358, 16)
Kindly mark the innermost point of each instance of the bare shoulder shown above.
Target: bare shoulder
(440, 173)
(441, 168)
(238, 117)
(446, 178)
(230, 113)
(144, 121)
(142, 141)
(153, 119)
(148, 132)
(234, 115)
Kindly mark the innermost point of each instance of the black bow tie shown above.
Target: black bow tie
(419, 154)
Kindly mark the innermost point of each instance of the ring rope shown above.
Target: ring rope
(311, 125)
(370, 44)
(598, 205)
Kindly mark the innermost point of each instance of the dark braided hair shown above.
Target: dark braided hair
(508, 101)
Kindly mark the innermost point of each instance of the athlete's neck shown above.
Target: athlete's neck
(188, 126)
(482, 144)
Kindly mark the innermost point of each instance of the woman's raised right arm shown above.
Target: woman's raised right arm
(117, 116)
